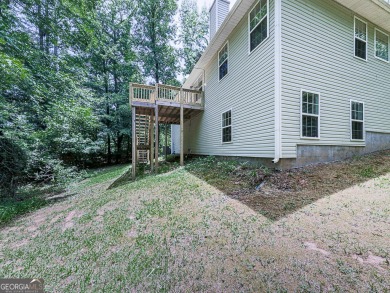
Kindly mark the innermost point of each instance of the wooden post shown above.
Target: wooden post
(151, 141)
(181, 129)
(156, 137)
(134, 148)
(166, 141)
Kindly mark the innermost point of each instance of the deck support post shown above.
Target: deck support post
(181, 129)
(156, 138)
(166, 141)
(151, 141)
(134, 143)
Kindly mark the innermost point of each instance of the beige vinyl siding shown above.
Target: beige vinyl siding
(318, 56)
(248, 91)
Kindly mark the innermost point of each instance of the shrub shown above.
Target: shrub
(13, 161)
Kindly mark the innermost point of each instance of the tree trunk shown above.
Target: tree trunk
(118, 147)
(40, 28)
(108, 149)
(46, 26)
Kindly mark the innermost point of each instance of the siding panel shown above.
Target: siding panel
(248, 90)
(318, 56)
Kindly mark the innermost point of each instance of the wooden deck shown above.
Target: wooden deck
(159, 104)
(168, 99)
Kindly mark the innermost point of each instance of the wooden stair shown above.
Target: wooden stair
(143, 138)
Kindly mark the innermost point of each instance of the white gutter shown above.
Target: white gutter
(278, 81)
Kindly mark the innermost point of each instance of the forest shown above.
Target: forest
(65, 68)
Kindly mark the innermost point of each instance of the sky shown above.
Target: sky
(208, 3)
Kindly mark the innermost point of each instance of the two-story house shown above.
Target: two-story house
(282, 81)
(294, 82)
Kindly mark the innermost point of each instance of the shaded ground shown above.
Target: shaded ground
(175, 232)
(281, 193)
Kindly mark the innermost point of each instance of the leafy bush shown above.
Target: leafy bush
(13, 161)
(11, 208)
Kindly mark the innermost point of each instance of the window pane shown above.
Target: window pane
(357, 130)
(223, 54)
(223, 69)
(227, 134)
(360, 30)
(310, 103)
(259, 34)
(382, 46)
(226, 118)
(258, 12)
(360, 49)
(309, 126)
(357, 111)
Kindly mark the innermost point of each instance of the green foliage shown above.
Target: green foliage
(209, 164)
(154, 33)
(11, 208)
(193, 33)
(367, 172)
(12, 164)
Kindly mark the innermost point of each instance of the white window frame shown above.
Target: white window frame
(313, 115)
(388, 46)
(219, 65)
(249, 27)
(231, 127)
(351, 120)
(354, 38)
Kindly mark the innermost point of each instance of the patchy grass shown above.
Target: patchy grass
(10, 208)
(175, 232)
(281, 193)
(31, 198)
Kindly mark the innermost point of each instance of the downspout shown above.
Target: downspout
(278, 81)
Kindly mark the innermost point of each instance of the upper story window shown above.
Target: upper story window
(310, 115)
(357, 120)
(381, 45)
(227, 126)
(360, 39)
(258, 24)
(223, 56)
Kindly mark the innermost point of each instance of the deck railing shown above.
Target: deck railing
(165, 93)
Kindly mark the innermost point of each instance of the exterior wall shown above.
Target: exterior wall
(318, 56)
(218, 12)
(213, 19)
(223, 10)
(309, 154)
(175, 139)
(248, 91)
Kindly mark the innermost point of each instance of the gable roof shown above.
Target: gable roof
(239, 10)
(376, 11)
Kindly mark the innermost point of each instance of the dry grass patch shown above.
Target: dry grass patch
(177, 233)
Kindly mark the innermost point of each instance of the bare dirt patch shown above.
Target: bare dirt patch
(69, 219)
(277, 194)
(313, 246)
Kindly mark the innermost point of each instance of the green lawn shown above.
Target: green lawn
(175, 232)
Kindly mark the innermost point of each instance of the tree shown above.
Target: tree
(194, 26)
(154, 33)
(112, 65)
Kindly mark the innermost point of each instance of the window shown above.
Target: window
(381, 45)
(310, 115)
(357, 120)
(360, 39)
(227, 126)
(258, 24)
(223, 61)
